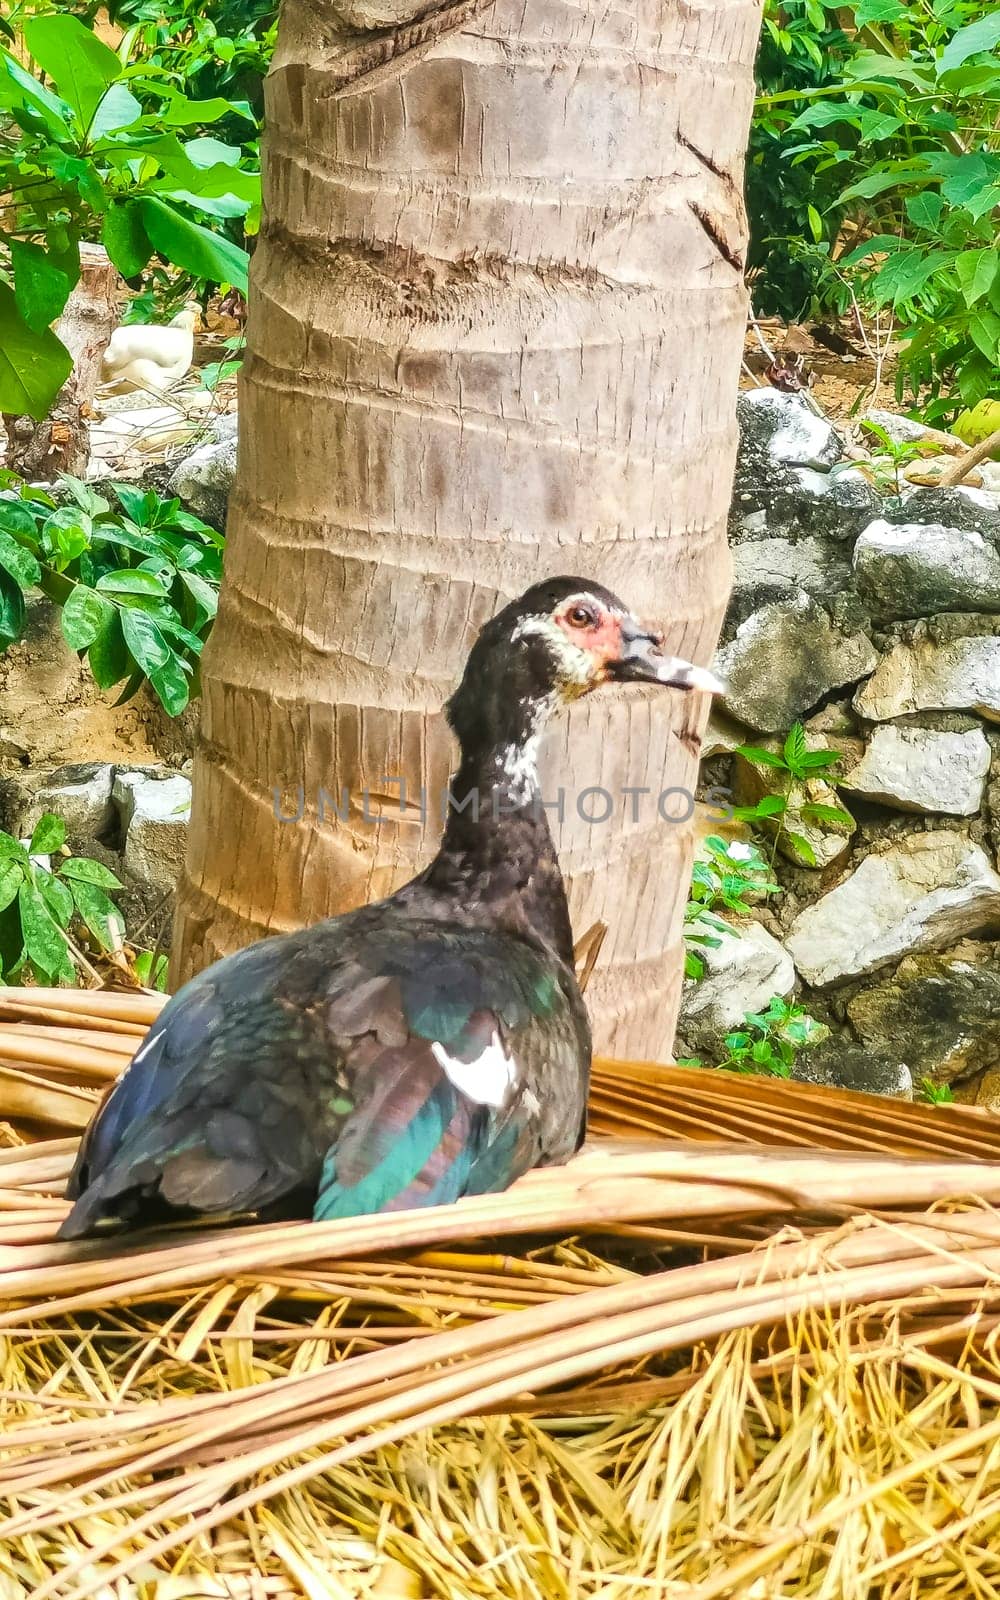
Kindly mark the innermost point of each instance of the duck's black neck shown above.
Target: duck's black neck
(497, 858)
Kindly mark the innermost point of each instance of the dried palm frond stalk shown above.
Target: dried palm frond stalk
(729, 1368)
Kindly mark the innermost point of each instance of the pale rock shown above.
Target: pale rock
(916, 569)
(798, 437)
(785, 658)
(79, 794)
(915, 769)
(939, 1014)
(767, 570)
(204, 479)
(742, 974)
(921, 895)
(959, 675)
(154, 812)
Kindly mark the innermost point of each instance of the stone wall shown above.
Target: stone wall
(873, 618)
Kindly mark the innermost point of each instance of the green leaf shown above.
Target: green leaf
(150, 650)
(760, 757)
(903, 275)
(878, 11)
(771, 805)
(924, 210)
(124, 238)
(189, 245)
(178, 111)
(795, 746)
(84, 870)
(44, 943)
(118, 109)
(18, 561)
(205, 595)
(41, 289)
(976, 270)
(80, 66)
(21, 88)
(108, 656)
(984, 331)
(99, 913)
(131, 580)
(815, 223)
(966, 178)
(831, 814)
(171, 684)
(973, 40)
(11, 877)
(11, 610)
(33, 366)
(56, 896)
(49, 835)
(84, 614)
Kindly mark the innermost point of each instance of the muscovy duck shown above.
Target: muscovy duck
(430, 1046)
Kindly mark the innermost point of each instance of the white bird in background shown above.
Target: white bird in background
(150, 356)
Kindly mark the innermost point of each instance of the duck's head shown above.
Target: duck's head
(562, 639)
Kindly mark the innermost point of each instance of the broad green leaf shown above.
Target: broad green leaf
(879, 11)
(108, 656)
(33, 366)
(771, 805)
(84, 615)
(56, 896)
(205, 596)
(99, 913)
(41, 288)
(178, 111)
(984, 331)
(11, 610)
(11, 878)
(767, 758)
(188, 245)
(968, 177)
(973, 40)
(88, 871)
(874, 183)
(870, 65)
(44, 943)
(49, 834)
(209, 152)
(18, 87)
(924, 210)
(118, 109)
(873, 125)
(172, 686)
(904, 274)
(795, 745)
(224, 207)
(831, 814)
(80, 66)
(976, 270)
(18, 561)
(150, 650)
(130, 580)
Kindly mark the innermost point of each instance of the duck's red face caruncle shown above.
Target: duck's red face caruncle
(603, 643)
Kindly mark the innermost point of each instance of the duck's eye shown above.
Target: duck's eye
(581, 617)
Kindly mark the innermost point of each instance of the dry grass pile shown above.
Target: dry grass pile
(743, 1346)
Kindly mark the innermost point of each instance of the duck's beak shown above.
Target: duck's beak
(642, 660)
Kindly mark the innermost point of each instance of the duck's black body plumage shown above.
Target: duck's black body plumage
(433, 1045)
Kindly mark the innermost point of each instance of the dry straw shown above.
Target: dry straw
(743, 1346)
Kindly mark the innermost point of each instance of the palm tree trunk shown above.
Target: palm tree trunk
(496, 323)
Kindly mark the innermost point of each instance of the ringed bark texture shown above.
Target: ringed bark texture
(496, 322)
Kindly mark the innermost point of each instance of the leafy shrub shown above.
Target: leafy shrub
(909, 127)
(43, 906)
(138, 583)
(730, 877)
(107, 153)
(769, 1040)
(798, 765)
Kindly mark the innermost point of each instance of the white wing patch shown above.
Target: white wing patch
(488, 1080)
